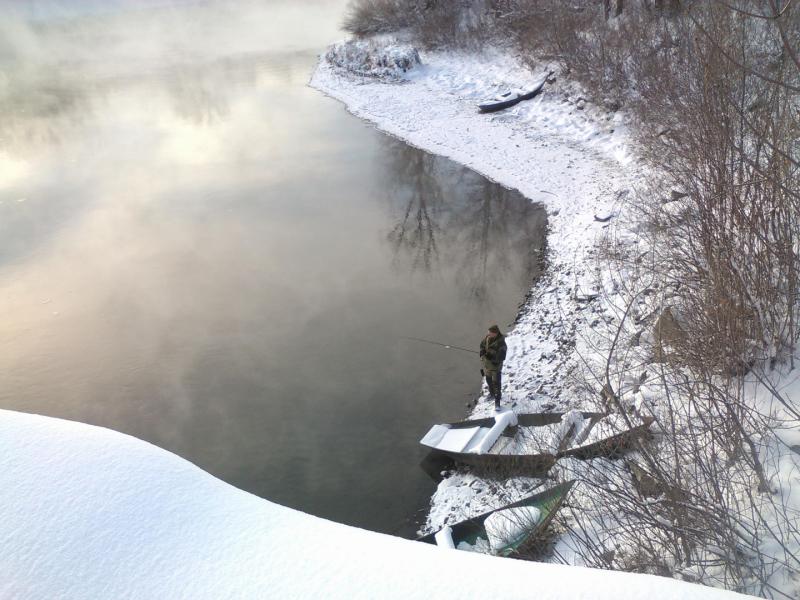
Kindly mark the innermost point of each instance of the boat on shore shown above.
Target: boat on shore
(509, 530)
(529, 444)
(509, 99)
(610, 437)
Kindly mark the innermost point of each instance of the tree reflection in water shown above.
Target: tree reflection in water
(417, 187)
(448, 215)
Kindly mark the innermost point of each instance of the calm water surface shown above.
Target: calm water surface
(199, 250)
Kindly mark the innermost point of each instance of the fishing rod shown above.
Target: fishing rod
(448, 346)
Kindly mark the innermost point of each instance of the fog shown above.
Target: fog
(107, 34)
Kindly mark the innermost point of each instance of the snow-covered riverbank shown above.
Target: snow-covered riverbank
(556, 150)
(89, 513)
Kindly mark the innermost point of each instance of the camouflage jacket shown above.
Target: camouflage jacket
(493, 352)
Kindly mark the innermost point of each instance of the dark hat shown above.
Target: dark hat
(494, 328)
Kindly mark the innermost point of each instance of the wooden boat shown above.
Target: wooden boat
(508, 100)
(610, 440)
(528, 443)
(506, 531)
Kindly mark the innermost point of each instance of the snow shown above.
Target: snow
(571, 429)
(572, 432)
(502, 421)
(506, 527)
(448, 439)
(607, 427)
(444, 538)
(475, 440)
(481, 546)
(574, 162)
(382, 57)
(89, 513)
(479, 441)
(506, 416)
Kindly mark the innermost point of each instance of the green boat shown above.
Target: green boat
(504, 531)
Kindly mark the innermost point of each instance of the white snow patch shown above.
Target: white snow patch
(444, 538)
(571, 429)
(502, 421)
(474, 440)
(375, 57)
(448, 439)
(89, 513)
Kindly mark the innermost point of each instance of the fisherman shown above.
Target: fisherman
(493, 353)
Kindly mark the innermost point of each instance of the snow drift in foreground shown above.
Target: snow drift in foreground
(86, 512)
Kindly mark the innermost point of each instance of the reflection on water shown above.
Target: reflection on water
(199, 250)
(484, 228)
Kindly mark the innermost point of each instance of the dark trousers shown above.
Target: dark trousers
(493, 380)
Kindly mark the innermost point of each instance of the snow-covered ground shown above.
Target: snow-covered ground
(557, 150)
(88, 513)
(571, 156)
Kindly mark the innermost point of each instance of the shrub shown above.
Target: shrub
(367, 17)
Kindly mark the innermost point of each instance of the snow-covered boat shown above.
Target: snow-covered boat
(509, 530)
(531, 443)
(509, 99)
(609, 436)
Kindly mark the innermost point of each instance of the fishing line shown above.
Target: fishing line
(448, 346)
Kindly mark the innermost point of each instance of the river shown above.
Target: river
(199, 250)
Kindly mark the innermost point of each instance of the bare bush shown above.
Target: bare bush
(712, 301)
(367, 17)
(716, 293)
(433, 23)
(703, 499)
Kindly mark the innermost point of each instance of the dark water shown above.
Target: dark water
(199, 250)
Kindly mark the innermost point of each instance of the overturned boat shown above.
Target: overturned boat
(530, 443)
(506, 531)
(510, 99)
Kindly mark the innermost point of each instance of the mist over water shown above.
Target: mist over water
(199, 250)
